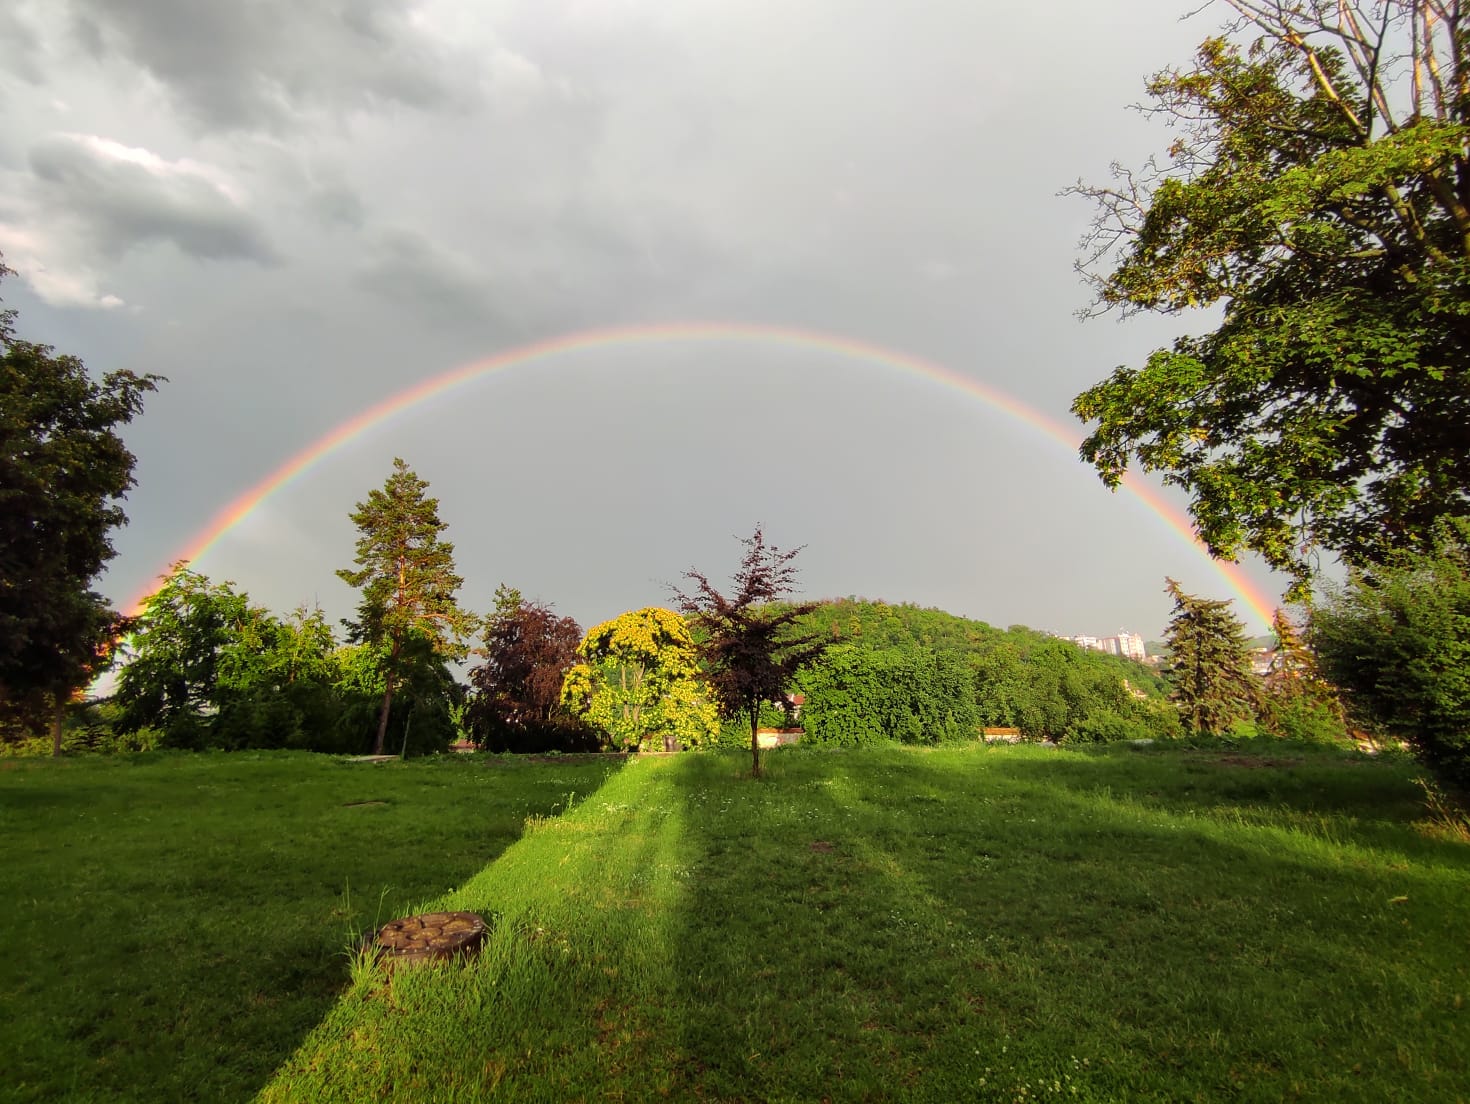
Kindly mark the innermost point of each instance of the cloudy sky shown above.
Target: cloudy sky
(295, 209)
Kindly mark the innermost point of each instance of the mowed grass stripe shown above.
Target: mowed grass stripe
(1004, 924)
(176, 923)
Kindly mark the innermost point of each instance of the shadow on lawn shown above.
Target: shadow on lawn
(880, 925)
(186, 920)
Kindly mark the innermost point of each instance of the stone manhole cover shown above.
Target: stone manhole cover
(430, 937)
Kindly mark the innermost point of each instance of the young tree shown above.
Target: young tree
(640, 682)
(406, 574)
(751, 645)
(1209, 664)
(1397, 643)
(1317, 193)
(63, 470)
(517, 701)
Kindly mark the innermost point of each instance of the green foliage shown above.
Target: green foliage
(516, 705)
(749, 641)
(206, 669)
(1396, 640)
(1315, 194)
(1209, 665)
(859, 695)
(63, 471)
(1297, 703)
(1021, 678)
(406, 573)
(640, 683)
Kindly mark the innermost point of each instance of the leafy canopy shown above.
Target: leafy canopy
(1396, 641)
(517, 704)
(640, 682)
(751, 644)
(63, 470)
(1317, 193)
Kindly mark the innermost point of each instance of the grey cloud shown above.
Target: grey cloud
(21, 45)
(123, 198)
(336, 205)
(407, 266)
(256, 65)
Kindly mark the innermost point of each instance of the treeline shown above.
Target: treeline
(900, 672)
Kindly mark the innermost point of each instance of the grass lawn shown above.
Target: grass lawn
(174, 925)
(1009, 924)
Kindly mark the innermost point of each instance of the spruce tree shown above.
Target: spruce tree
(1210, 667)
(406, 573)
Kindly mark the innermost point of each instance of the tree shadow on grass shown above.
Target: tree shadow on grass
(185, 923)
(895, 925)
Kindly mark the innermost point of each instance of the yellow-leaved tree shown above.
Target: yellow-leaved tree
(639, 681)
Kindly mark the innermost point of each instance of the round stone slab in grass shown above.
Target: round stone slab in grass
(430, 937)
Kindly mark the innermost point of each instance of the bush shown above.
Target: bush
(1396, 641)
(858, 696)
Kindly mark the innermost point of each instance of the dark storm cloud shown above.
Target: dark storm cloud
(255, 65)
(120, 198)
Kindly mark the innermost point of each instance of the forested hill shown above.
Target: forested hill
(875, 623)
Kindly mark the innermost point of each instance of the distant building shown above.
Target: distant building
(1126, 644)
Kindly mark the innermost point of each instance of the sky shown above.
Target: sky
(295, 210)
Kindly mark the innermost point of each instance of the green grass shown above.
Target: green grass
(965, 924)
(175, 925)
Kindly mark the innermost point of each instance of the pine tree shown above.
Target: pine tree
(406, 574)
(1210, 666)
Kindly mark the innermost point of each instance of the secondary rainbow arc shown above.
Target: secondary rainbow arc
(242, 505)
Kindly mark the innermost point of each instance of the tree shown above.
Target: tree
(406, 574)
(1209, 664)
(209, 670)
(751, 644)
(1396, 641)
(517, 700)
(640, 682)
(1317, 193)
(63, 470)
(857, 695)
(1296, 701)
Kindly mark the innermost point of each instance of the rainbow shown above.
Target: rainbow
(238, 509)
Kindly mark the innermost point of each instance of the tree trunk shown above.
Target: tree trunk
(58, 710)
(383, 718)
(755, 744)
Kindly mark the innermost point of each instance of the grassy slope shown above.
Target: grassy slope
(1008, 924)
(175, 924)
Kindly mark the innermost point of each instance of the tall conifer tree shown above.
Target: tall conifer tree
(1209, 665)
(406, 574)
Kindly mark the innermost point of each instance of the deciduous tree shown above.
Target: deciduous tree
(1396, 641)
(640, 682)
(1317, 194)
(751, 644)
(406, 574)
(63, 471)
(517, 689)
(1209, 664)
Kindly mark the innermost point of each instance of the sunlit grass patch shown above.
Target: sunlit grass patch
(946, 924)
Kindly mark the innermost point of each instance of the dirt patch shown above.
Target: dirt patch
(359, 804)
(569, 757)
(1256, 762)
(821, 846)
